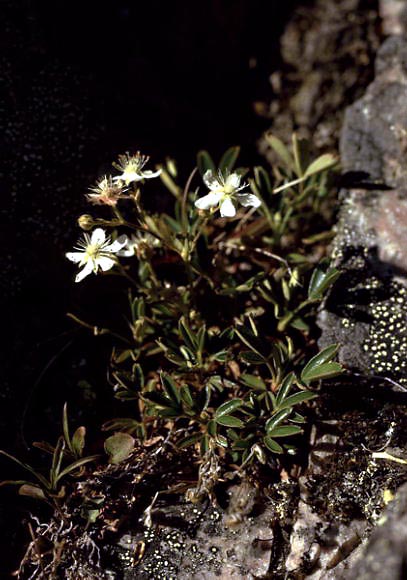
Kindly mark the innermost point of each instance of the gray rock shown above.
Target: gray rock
(385, 556)
(205, 542)
(327, 51)
(394, 16)
(367, 311)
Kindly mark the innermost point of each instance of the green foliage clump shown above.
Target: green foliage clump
(219, 350)
(66, 459)
(221, 309)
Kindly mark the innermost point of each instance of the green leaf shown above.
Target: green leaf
(44, 446)
(249, 339)
(272, 445)
(187, 335)
(57, 461)
(284, 389)
(255, 399)
(300, 153)
(188, 355)
(211, 428)
(229, 159)
(243, 444)
(320, 281)
(277, 419)
(189, 440)
(299, 324)
(124, 424)
(205, 162)
(296, 399)
(200, 338)
(173, 224)
(232, 434)
(31, 490)
(76, 464)
(285, 431)
(90, 515)
(325, 371)
(320, 366)
(119, 447)
(221, 356)
(228, 407)
(186, 396)
(126, 396)
(253, 381)
(229, 421)
(221, 441)
(40, 478)
(205, 444)
(252, 358)
(65, 427)
(78, 441)
(297, 418)
(138, 308)
(171, 389)
(138, 376)
(158, 399)
(263, 179)
(216, 382)
(168, 412)
(281, 150)
(324, 162)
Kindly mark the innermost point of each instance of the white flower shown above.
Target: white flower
(225, 194)
(106, 192)
(137, 243)
(131, 167)
(95, 251)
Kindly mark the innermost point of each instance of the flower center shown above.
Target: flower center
(92, 250)
(132, 167)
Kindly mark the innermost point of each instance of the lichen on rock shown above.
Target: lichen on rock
(367, 309)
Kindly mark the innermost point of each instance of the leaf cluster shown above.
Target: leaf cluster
(219, 349)
(221, 312)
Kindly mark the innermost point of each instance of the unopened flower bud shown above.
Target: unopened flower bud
(171, 167)
(86, 222)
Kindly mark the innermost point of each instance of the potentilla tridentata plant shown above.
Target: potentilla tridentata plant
(223, 288)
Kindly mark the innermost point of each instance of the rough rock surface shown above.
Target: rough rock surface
(393, 14)
(367, 311)
(345, 487)
(327, 50)
(386, 554)
(202, 543)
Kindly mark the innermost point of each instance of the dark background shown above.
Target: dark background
(82, 82)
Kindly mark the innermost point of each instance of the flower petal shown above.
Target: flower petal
(128, 176)
(117, 244)
(210, 200)
(126, 252)
(105, 263)
(75, 256)
(85, 272)
(98, 236)
(248, 200)
(227, 208)
(149, 174)
(210, 180)
(233, 180)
